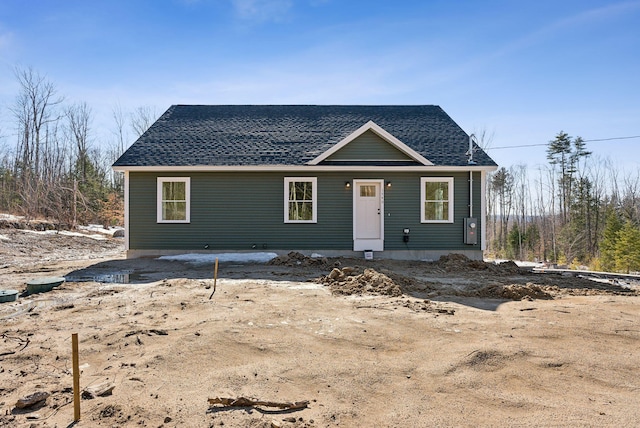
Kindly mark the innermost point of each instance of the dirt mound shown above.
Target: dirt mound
(514, 292)
(348, 281)
(298, 259)
(452, 261)
(405, 282)
(508, 268)
(461, 263)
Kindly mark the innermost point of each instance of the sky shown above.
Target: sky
(518, 72)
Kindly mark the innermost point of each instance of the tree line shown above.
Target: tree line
(575, 211)
(51, 162)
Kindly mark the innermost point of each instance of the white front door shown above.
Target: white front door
(368, 215)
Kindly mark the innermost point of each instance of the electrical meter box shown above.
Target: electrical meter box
(471, 231)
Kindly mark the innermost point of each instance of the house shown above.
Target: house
(403, 182)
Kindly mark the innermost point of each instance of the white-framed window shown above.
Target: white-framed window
(300, 199)
(436, 199)
(174, 199)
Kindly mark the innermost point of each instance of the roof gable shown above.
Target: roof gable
(368, 147)
(398, 147)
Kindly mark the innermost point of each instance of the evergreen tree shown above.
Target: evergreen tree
(613, 224)
(502, 184)
(628, 248)
(566, 153)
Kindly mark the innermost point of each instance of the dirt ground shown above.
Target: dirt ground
(366, 343)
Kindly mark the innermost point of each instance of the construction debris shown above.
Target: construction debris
(37, 398)
(251, 402)
(99, 390)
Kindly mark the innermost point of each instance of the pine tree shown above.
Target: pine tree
(628, 248)
(608, 244)
(566, 153)
(502, 183)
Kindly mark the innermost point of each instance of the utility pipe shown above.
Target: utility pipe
(470, 193)
(471, 162)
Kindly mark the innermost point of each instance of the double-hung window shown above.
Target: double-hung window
(174, 199)
(436, 195)
(300, 199)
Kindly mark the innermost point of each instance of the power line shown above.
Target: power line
(613, 138)
(546, 144)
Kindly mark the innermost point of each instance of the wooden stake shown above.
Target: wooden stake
(215, 278)
(215, 275)
(76, 377)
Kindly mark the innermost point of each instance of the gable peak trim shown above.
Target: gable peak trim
(382, 133)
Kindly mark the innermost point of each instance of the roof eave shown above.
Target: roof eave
(302, 168)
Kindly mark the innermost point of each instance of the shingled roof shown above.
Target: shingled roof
(289, 135)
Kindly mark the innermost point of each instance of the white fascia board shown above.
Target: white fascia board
(302, 168)
(126, 210)
(372, 126)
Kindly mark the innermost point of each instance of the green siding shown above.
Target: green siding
(369, 146)
(402, 210)
(235, 211)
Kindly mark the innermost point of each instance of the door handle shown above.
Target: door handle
(378, 211)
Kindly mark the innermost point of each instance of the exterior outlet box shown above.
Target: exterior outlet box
(471, 231)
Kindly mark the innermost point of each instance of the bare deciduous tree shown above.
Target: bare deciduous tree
(142, 118)
(36, 115)
(78, 122)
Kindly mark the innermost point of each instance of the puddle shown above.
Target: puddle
(125, 277)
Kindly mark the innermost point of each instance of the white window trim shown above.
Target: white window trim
(424, 180)
(187, 181)
(314, 198)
